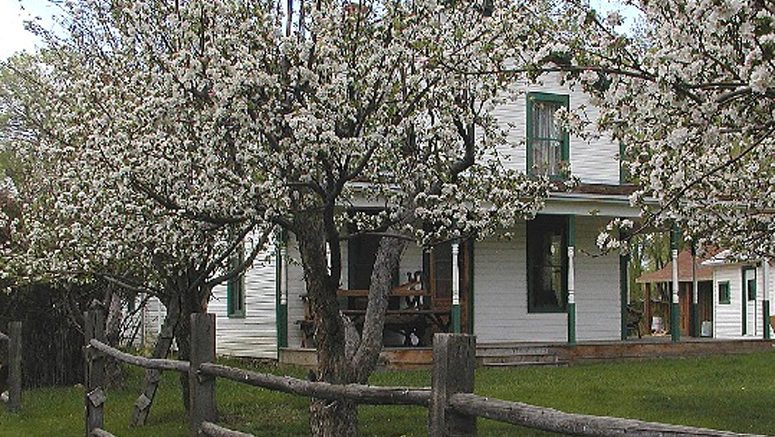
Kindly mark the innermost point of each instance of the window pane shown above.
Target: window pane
(546, 137)
(546, 156)
(544, 124)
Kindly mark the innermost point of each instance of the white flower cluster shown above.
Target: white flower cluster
(691, 96)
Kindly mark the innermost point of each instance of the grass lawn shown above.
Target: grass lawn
(736, 393)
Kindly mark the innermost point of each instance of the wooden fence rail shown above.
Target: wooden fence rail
(146, 363)
(452, 406)
(547, 419)
(14, 363)
(213, 430)
(358, 393)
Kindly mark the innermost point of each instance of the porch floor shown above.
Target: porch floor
(543, 353)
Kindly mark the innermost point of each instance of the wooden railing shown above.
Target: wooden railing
(14, 362)
(453, 408)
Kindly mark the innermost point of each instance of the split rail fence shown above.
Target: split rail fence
(13, 361)
(453, 408)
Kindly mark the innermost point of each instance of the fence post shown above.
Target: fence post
(15, 367)
(94, 371)
(201, 387)
(454, 362)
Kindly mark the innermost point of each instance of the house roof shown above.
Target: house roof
(665, 274)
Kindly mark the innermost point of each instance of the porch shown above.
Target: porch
(556, 354)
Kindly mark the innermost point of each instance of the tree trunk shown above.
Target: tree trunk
(114, 370)
(191, 302)
(162, 348)
(327, 418)
(386, 262)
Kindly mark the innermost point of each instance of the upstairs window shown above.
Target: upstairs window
(547, 142)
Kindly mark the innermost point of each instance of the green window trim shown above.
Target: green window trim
(562, 99)
(235, 289)
(539, 300)
(724, 294)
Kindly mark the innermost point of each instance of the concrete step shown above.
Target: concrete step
(549, 358)
(527, 363)
(511, 351)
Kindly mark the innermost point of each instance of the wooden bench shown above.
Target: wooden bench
(415, 318)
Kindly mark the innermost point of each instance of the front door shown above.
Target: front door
(749, 301)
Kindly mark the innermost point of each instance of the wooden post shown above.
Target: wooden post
(95, 370)
(647, 307)
(454, 362)
(695, 327)
(282, 295)
(15, 367)
(201, 387)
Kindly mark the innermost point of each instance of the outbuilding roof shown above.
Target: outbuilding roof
(665, 274)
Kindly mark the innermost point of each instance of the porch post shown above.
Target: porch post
(455, 288)
(571, 280)
(675, 309)
(281, 287)
(766, 303)
(695, 295)
(624, 292)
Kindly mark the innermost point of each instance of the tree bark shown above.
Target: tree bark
(327, 418)
(116, 376)
(162, 348)
(386, 262)
(191, 302)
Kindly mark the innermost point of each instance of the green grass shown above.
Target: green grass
(730, 392)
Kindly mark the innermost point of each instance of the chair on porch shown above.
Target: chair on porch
(634, 317)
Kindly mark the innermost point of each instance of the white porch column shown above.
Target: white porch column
(455, 288)
(766, 295)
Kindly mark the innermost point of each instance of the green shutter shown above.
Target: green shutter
(235, 288)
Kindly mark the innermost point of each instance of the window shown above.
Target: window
(547, 142)
(723, 292)
(235, 288)
(547, 264)
(749, 276)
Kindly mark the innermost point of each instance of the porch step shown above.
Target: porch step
(509, 351)
(526, 364)
(516, 355)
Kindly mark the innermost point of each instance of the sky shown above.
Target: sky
(13, 36)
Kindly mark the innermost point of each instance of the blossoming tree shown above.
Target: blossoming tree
(690, 95)
(239, 114)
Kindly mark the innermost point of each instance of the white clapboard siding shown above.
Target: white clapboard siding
(251, 336)
(500, 287)
(728, 318)
(255, 334)
(598, 296)
(593, 160)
